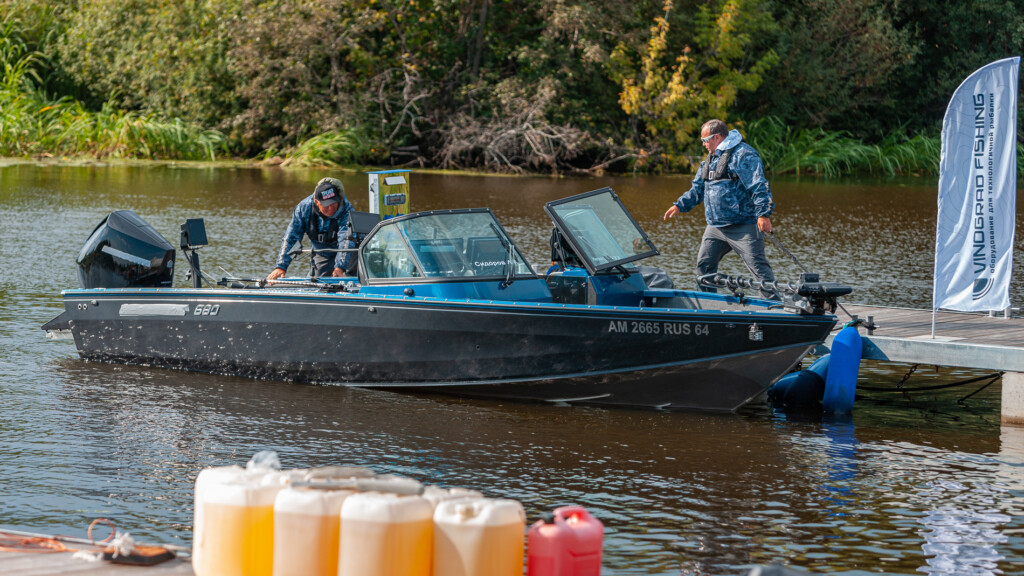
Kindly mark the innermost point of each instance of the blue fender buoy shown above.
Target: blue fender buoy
(844, 365)
(778, 390)
(802, 389)
(820, 366)
(805, 392)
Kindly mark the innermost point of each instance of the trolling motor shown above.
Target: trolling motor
(193, 237)
(808, 296)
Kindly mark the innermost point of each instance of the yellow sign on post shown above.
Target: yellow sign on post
(389, 193)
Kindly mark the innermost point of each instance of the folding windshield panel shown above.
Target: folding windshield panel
(600, 230)
(442, 244)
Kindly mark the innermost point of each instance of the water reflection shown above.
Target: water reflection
(962, 540)
(904, 487)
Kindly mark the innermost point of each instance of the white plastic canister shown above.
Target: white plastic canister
(234, 522)
(436, 494)
(307, 526)
(479, 537)
(208, 477)
(385, 534)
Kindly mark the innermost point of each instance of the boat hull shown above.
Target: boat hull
(666, 358)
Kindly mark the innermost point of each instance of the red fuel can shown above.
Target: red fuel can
(566, 542)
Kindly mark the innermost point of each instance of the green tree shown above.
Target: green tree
(836, 59)
(955, 38)
(670, 93)
(167, 56)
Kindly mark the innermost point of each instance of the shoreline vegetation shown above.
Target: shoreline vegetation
(430, 84)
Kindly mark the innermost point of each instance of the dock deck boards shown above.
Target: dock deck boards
(964, 340)
(60, 563)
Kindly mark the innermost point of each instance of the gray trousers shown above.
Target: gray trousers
(748, 243)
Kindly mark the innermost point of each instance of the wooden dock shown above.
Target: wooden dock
(61, 563)
(962, 340)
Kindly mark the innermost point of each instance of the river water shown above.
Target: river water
(912, 483)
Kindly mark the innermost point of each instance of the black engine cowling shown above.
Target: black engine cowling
(124, 251)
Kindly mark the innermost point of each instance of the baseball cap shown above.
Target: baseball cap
(329, 192)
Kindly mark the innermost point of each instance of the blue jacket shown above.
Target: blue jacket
(300, 224)
(741, 196)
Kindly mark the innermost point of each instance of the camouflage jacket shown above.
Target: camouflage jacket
(740, 196)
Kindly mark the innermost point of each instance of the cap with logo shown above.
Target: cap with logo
(329, 192)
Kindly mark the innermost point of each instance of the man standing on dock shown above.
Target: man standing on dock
(737, 203)
(326, 217)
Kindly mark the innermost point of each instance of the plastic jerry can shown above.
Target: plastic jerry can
(479, 537)
(566, 542)
(385, 534)
(234, 522)
(307, 528)
(436, 494)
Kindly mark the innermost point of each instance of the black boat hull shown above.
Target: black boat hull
(672, 359)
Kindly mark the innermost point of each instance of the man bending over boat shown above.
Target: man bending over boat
(737, 203)
(326, 217)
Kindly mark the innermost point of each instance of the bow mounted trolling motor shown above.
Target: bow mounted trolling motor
(809, 296)
(816, 297)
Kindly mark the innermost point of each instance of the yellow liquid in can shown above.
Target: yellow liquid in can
(307, 544)
(236, 541)
(479, 550)
(386, 549)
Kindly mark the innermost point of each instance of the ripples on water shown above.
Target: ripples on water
(912, 484)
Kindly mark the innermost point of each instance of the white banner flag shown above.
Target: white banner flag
(977, 192)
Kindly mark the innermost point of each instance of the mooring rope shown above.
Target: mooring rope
(899, 386)
(16, 543)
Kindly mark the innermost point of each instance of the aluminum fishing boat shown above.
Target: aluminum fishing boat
(443, 301)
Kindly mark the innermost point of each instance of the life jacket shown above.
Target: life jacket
(313, 230)
(721, 170)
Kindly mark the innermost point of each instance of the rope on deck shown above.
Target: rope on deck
(16, 543)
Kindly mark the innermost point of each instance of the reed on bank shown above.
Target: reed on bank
(33, 123)
(832, 154)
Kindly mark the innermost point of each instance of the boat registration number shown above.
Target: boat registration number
(672, 328)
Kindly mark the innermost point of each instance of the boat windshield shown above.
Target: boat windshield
(600, 230)
(441, 244)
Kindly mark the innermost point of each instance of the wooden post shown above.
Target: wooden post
(1013, 398)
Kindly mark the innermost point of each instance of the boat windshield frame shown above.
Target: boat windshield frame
(582, 248)
(499, 238)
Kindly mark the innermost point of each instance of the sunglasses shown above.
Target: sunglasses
(707, 139)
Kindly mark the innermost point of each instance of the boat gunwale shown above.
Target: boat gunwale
(209, 294)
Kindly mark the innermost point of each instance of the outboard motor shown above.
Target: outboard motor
(124, 251)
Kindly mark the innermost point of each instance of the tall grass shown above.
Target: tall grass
(831, 154)
(327, 149)
(33, 123)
